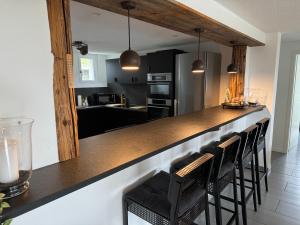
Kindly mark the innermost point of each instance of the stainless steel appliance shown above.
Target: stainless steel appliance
(159, 108)
(195, 92)
(160, 85)
(160, 95)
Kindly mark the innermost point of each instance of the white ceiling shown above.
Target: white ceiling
(106, 32)
(267, 15)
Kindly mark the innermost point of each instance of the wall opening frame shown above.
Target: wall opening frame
(179, 18)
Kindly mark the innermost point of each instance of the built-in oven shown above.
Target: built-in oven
(159, 108)
(160, 85)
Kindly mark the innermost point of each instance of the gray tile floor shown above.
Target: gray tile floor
(281, 205)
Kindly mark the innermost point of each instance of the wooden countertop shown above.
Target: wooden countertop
(109, 153)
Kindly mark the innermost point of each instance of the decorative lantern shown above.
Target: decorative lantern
(15, 155)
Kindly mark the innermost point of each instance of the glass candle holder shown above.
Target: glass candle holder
(15, 155)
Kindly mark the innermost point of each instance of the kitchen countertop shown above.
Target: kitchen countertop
(106, 154)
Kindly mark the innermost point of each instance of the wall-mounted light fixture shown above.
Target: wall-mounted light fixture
(129, 60)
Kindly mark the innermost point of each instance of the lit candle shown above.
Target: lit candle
(9, 169)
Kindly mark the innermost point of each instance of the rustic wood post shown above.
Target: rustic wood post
(64, 98)
(237, 81)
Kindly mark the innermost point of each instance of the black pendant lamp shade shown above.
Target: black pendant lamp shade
(129, 60)
(198, 66)
(232, 68)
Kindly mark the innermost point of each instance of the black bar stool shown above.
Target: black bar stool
(223, 174)
(172, 199)
(260, 145)
(245, 157)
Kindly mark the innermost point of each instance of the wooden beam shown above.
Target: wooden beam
(64, 99)
(237, 81)
(179, 17)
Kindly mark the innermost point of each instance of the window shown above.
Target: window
(87, 72)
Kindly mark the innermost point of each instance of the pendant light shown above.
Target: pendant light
(232, 68)
(129, 60)
(198, 66)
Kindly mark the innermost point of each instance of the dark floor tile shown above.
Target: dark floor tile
(271, 218)
(289, 210)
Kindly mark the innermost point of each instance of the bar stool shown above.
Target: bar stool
(223, 174)
(245, 157)
(172, 199)
(260, 145)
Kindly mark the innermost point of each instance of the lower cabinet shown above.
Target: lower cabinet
(98, 120)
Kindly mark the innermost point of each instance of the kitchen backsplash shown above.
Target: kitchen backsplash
(135, 93)
(90, 91)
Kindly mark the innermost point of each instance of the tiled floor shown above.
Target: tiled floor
(281, 205)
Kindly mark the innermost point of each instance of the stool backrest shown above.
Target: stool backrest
(263, 127)
(230, 150)
(225, 153)
(248, 139)
(196, 173)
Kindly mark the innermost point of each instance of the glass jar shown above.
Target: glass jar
(15, 155)
(255, 96)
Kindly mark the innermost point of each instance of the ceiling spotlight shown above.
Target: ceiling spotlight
(82, 47)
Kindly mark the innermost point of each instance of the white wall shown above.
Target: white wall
(293, 135)
(284, 92)
(26, 73)
(262, 73)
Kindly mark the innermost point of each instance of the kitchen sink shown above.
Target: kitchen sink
(115, 105)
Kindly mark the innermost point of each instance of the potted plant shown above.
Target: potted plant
(4, 205)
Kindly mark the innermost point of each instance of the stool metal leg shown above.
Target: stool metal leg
(236, 201)
(125, 212)
(243, 194)
(253, 184)
(265, 167)
(257, 177)
(217, 204)
(207, 217)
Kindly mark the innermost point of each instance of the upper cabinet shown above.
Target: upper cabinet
(89, 70)
(162, 61)
(116, 75)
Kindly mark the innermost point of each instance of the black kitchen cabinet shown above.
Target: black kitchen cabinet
(91, 121)
(140, 76)
(115, 74)
(98, 120)
(162, 61)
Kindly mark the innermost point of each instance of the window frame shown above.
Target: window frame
(99, 81)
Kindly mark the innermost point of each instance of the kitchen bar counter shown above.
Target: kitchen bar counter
(107, 154)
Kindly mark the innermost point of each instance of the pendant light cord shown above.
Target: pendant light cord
(199, 45)
(129, 44)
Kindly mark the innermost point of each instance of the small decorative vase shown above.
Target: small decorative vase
(15, 155)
